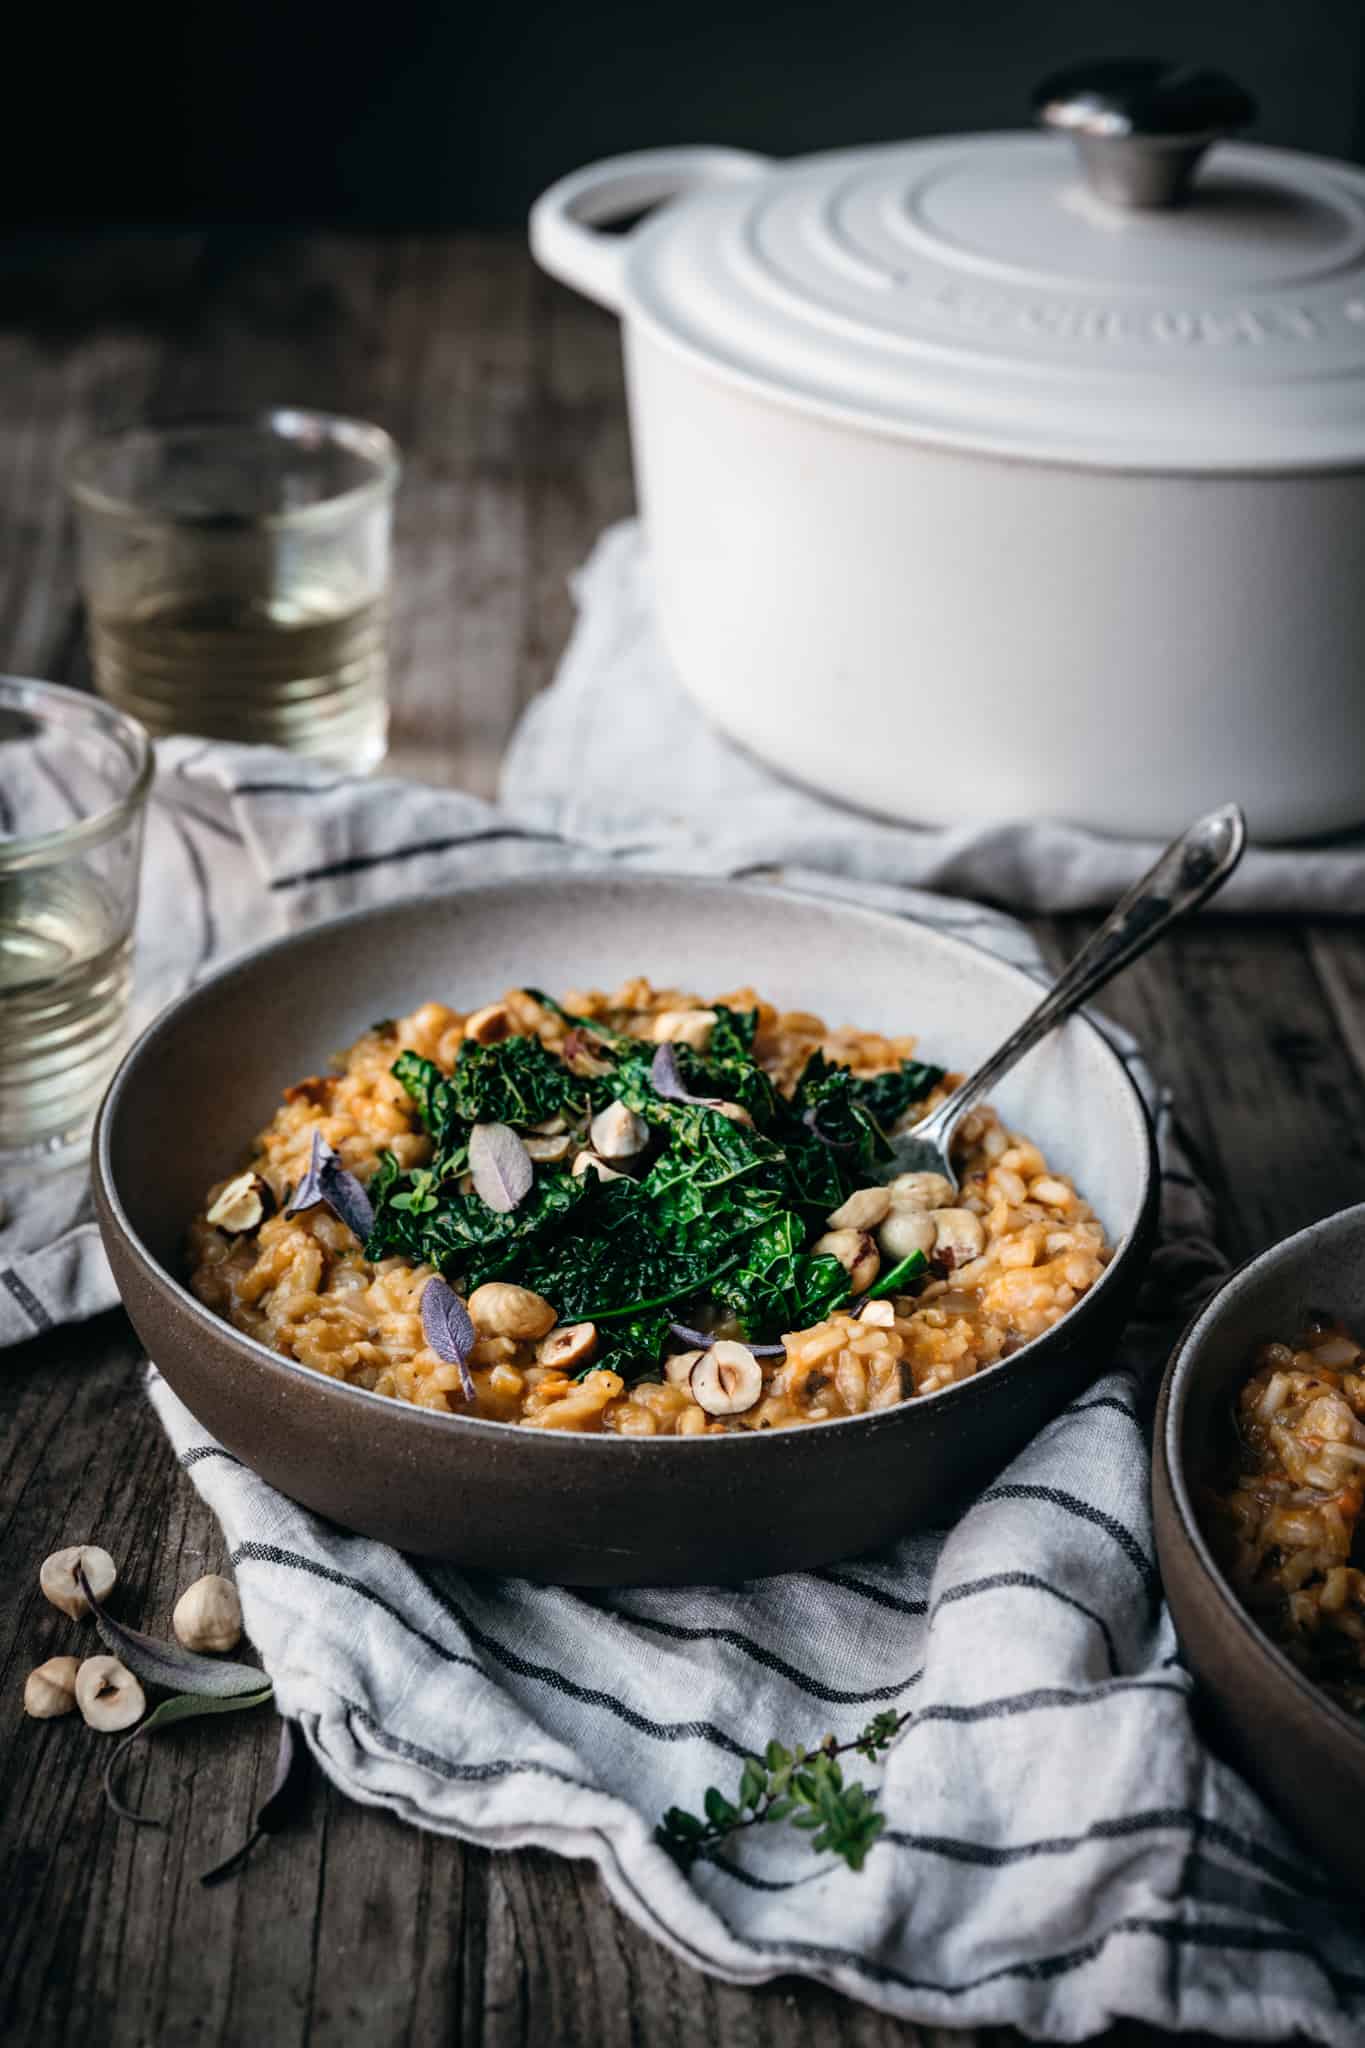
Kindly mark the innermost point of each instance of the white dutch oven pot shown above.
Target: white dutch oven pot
(981, 482)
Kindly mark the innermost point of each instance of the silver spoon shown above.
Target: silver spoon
(1186, 875)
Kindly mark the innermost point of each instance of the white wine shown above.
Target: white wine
(65, 969)
(308, 672)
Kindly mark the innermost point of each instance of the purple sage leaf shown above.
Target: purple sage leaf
(703, 1340)
(668, 1082)
(284, 1802)
(664, 1075)
(449, 1329)
(327, 1180)
(500, 1165)
(167, 1664)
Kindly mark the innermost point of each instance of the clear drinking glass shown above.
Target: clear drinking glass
(74, 777)
(236, 578)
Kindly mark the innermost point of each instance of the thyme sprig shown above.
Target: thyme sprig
(803, 1786)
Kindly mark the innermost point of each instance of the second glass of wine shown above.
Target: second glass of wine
(236, 575)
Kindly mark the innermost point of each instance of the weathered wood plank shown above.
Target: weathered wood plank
(1237, 1021)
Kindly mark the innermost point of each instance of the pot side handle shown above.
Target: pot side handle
(565, 220)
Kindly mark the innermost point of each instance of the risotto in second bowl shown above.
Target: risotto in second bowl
(638, 1213)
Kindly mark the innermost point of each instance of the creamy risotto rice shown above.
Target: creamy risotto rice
(1001, 1261)
(1283, 1512)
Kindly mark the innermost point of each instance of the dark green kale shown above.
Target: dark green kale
(780, 1286)
(722, 1218)
(887, 1096)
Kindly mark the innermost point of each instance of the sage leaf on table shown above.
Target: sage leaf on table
(197, 1685)
(283, 1803)
(182, 1706)
(167, 1664)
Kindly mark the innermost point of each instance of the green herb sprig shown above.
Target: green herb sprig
(805, 1787)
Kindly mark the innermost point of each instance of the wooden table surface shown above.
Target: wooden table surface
(506, 395)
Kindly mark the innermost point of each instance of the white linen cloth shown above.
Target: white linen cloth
(1061, 1849)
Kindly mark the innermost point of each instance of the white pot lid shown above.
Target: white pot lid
(984, 293)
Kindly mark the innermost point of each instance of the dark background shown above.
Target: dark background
(427, 113)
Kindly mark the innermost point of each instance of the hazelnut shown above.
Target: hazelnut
(617, 1133)
(588, 1162)
(921, 1191)
(862, 1211)
(108, 1695)
(906, 1231)
(51, 1689)
(501, 1309)
(568, 1347)
(678, 1368)
(57, 1577)
(548, 1150)
(959, 1236)
(243, 1205)
(488, 1025)
(727, 1379)
(208, 1615)
(856, 1253)
(686, 1027)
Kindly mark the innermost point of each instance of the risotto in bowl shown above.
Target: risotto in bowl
(547, 1226)
(1258, 1487)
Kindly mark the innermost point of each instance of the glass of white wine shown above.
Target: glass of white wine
(74, 777)
(236, 575)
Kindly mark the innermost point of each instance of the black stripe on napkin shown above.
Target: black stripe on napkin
(681, 1632)
(27, 1299)
(1041, 1969)
(356, 863)
(1031, 1582)
(1072, 1504)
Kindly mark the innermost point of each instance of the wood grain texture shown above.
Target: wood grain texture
(506, 395)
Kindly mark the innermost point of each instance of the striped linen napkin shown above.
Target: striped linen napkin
(1060, 1848)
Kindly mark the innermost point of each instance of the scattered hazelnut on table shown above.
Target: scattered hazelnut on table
(51, 1689)
(108, 1695)
(57, 1577)
(208, 1615)
(243, 1206)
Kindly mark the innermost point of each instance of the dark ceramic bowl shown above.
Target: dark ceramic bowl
(595, 1509)
(1306, 1754)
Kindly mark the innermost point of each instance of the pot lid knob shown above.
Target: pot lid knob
(1141, 125)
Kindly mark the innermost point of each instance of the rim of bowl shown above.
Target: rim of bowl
(251, 1348)
(282, 423)
(40, 849)
(1179, 1377)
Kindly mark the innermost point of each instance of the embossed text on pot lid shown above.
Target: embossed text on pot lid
(976, 293)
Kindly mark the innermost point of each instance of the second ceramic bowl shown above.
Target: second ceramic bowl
(1306, 1754)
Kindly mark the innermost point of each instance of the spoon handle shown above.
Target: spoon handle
(1187, 874)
